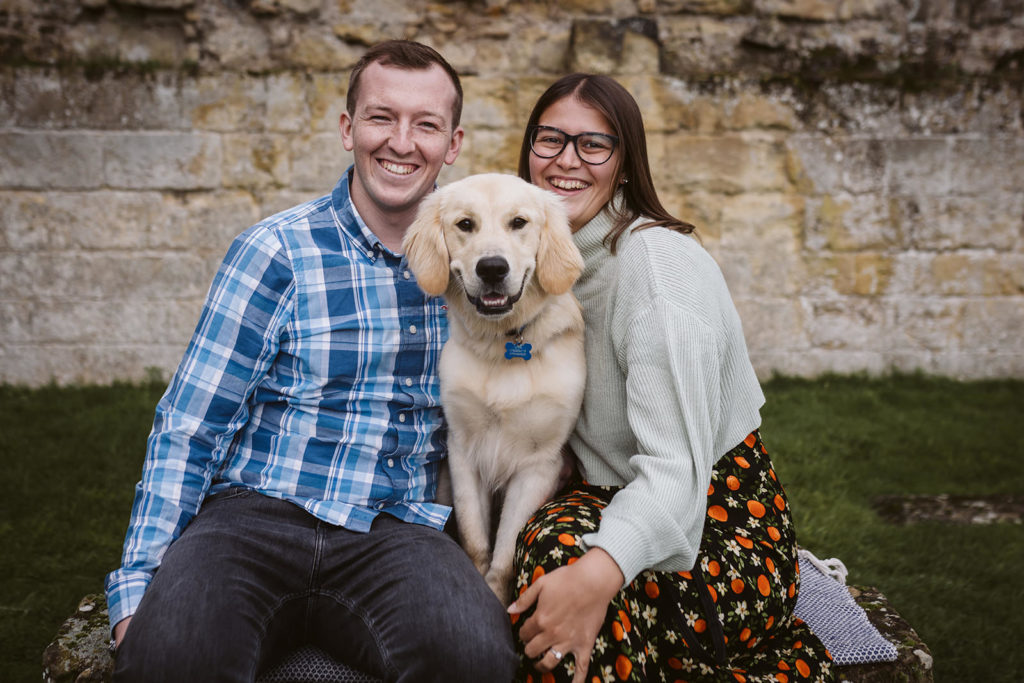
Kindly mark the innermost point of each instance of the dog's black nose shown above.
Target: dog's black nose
(492, 269)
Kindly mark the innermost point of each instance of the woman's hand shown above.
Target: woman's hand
(572, 603)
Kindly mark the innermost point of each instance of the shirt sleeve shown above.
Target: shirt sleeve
(671, 359)
(206, 403)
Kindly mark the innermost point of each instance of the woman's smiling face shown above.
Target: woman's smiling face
(585, 188)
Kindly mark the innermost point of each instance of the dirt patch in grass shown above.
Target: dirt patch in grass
(951, 509)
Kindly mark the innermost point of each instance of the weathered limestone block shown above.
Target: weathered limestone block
(489, 103)
(832, 165)
(79, 653)
(611, 46)
(484, 151)
(995, 221)
(97, 275)
(847, 324)
(235, 40)
(110, 99)
(757, 220)
(288, 109)
(702, 46)
(317, 162)
(50, 160)
(731, 164)
(109, 220)
(256, 161)
(975, 159)
(727, 7)
(86, 323)
(172, 161)
(813, 10)
(929, 324)
(914, 659)
(772, 324)
(224, 102)
(918, 166)
(994, 325)
(852, 223)
(111, 39)
(317, 48)
(325, 100)
(849, 274)
(767, 271)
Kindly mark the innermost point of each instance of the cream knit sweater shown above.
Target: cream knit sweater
(670, 389)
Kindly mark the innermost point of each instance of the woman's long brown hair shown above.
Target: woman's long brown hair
(623, 115)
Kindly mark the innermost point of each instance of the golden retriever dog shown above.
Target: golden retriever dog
(501, 252)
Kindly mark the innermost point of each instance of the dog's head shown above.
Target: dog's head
(491, 234)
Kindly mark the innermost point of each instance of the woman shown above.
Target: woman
(675, 557)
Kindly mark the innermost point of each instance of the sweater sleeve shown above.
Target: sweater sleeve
(671, 361)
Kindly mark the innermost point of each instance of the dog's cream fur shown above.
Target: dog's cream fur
(507, 417)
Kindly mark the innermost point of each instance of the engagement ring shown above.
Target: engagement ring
(556, 653)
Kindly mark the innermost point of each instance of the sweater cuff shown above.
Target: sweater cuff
(621, 545)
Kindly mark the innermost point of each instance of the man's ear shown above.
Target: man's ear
(345, 126)
(425, 249)
(455, 146)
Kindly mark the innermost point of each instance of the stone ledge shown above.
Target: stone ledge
(913, 661)
(79, 652)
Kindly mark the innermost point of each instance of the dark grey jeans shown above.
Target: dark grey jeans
(252, 576)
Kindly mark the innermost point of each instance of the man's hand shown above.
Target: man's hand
(572, 602)
(119, 631)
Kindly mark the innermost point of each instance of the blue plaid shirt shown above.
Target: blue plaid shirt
(311, 377)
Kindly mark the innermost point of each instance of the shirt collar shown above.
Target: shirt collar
(350, 222)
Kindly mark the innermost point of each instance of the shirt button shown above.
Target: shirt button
(408, 381)
(401, 417)
(406, 275)
(379, 504)
(369, 254)
(412, 329)
(391, 462)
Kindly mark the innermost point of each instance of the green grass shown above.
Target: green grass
(70, 460)
(839, 442)
(71, 457)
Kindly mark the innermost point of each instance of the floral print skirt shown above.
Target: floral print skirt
(728, 619)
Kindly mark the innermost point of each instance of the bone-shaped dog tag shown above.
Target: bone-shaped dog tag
(517, 350)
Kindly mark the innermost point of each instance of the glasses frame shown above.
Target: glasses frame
(532, 132)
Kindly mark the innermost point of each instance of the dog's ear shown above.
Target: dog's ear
(425, 248)
(559, 263)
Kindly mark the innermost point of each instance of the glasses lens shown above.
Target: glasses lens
(547, 142)
(595, 148)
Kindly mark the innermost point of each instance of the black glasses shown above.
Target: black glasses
(592, 148)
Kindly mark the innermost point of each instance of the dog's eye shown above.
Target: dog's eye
(517, 223)
(465, 225)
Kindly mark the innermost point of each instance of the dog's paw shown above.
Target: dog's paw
(498, 582)
(482, 562)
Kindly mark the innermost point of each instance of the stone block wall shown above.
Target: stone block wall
(856, 166)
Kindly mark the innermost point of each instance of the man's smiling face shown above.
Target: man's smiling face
(401, 134)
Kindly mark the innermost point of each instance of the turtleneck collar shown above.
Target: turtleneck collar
(590, 238)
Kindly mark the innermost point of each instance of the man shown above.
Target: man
(287, 492)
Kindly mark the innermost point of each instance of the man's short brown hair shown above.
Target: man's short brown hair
(403, 54)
